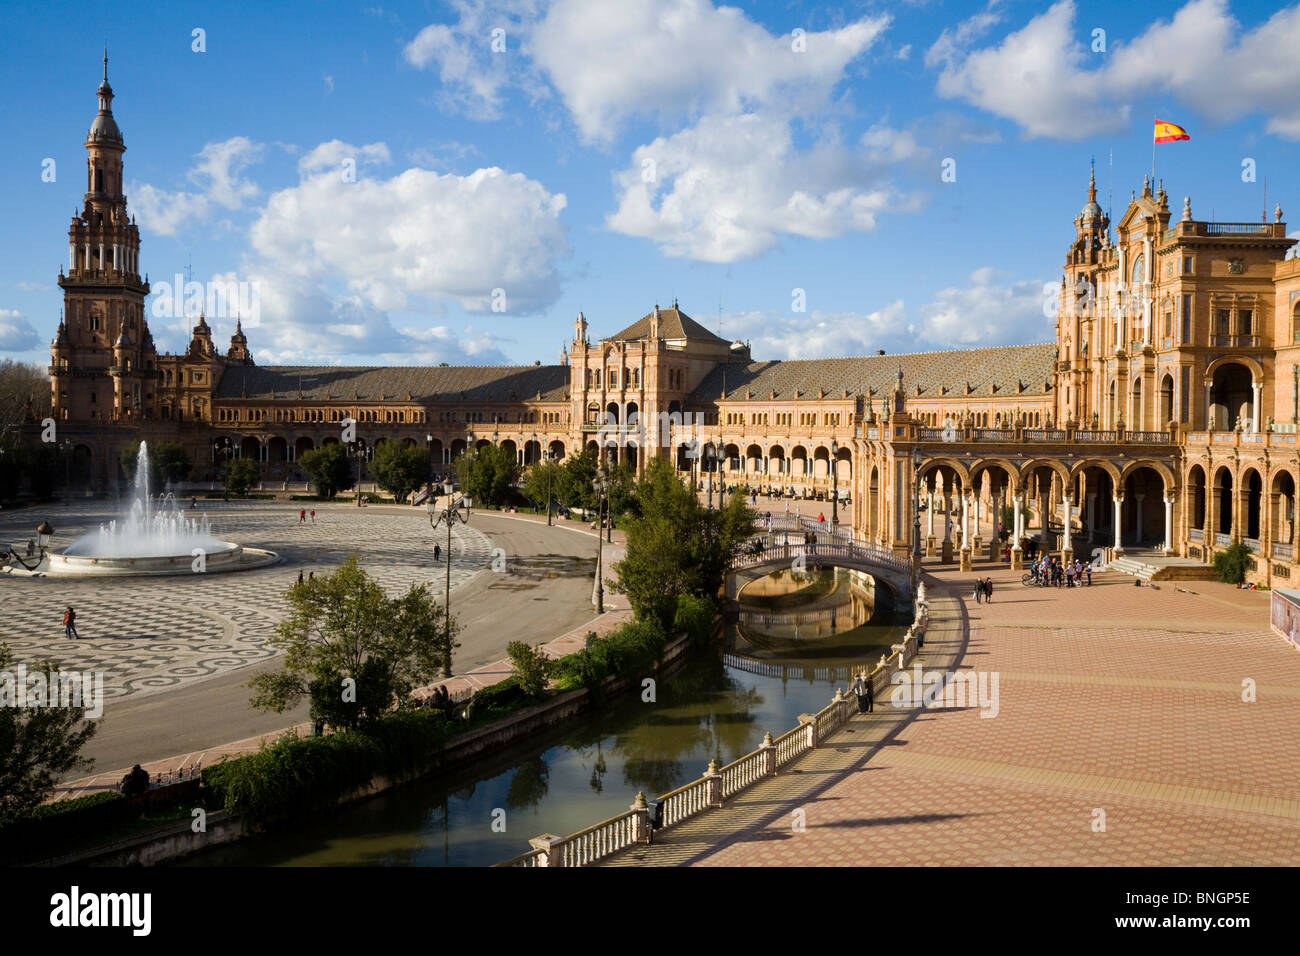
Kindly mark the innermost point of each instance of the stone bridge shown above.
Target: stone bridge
(791, 538)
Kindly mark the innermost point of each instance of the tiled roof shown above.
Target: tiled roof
(1005, 367)
(673, 324)
(493, 383)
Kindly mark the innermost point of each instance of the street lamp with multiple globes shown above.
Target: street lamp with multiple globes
(455, 510)
(358, 448)
(600, 484)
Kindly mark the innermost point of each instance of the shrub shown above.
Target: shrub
(532, 668)
(297, 775)
(1232, 564)
(694, 616)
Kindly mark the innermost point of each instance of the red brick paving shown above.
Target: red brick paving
(1115, 698)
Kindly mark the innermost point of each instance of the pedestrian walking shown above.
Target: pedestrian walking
(311, 575)
(1089, 573)
(979, 590)
(70, 623)
(302, 516)
(859, 689)
(313, 515)
(871, 691)
(300, 577)
(988, 590)
(437, 552)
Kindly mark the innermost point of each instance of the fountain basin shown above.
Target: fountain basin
(228, 557)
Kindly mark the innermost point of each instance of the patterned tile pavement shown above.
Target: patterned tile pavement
(1121, 738)
(151, 635)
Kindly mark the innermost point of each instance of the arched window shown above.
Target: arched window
(1140, 269)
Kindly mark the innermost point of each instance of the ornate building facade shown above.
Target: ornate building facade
(1162, 416)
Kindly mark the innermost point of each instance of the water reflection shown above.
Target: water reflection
(715, 707)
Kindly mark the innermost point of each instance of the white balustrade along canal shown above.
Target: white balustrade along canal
(720, 784)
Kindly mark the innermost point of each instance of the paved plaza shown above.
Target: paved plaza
(149, 635)
(176, 652)
(1121, 738)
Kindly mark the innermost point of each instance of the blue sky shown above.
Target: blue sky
(377, 172)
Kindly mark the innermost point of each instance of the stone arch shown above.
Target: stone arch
(821, 462)
(556, 450)
(1252, 510)
(1165, 409)
(1194, 501)
(1108, 467)
(753, 458)
(277, 449)
(799, 461)
(510, 448)
(302, 445)
(776, 463)
(951, 464)
(1281, 513)
(1223, 487)
(1159, 467)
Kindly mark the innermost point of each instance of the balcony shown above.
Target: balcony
(1263, 230)
(1283, 551)
(1196, 534)
(1225, 341)
(1222, 540)
(1252, 544)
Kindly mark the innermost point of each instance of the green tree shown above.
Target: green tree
(351, 650)
(241, 474)
(11, 469)
(37, 744)
(400, 469)
(487, 474)
(542, 482)
(1233, 563)
(573, 488)
(45, 465)
(330, 468)
(532, 668)
(175, 459)
(676, 546)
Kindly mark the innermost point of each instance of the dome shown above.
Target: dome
(1091, 212)
(105, 127)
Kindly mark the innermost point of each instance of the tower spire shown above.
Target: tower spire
(105, 61)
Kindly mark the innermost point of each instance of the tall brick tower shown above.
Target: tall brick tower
(104, 361)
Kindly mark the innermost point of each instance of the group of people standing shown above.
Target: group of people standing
(1050, 572)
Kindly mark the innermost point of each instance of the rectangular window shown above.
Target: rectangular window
(1187, 318)
(1244, 317)
(1187, 265)
(1185, 387)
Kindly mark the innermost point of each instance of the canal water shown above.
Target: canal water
(798, 637)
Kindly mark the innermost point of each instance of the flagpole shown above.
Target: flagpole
(1154, 120)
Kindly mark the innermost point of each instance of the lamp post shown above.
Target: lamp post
(550, 483)
(835, 484)
(453, 512)
(917, 460)
(358, 448)
(43, 535)
(428, 450)
(600, 484)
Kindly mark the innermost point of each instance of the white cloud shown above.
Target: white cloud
(16, 333)
(1040, 75)
(612, 61)
(473, 75)
(418, 237)
(991, 309)
(217, 174)
(730, 187)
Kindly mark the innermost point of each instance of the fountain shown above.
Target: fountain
(154, 537)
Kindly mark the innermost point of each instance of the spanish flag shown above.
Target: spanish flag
(1169, 133)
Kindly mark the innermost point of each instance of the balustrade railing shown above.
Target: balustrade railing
(1157, 438)
(995, 434)
(1096, 436)
(739, 774)
(1222, 540)
(609, 836)
(1283, 551)
(1252, 544)
(684, 802)
(1196, 534)
(1044, 434)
